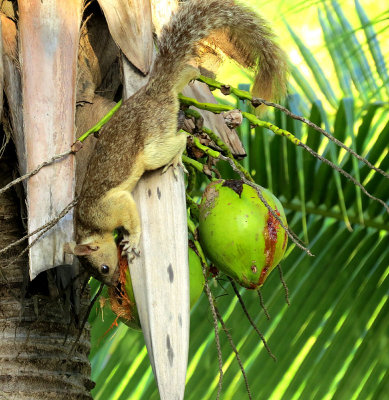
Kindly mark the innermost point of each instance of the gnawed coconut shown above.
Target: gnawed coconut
(239, 234)
(122, 299)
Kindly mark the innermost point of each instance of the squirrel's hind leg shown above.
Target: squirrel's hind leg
(187, 74)
(166, 153)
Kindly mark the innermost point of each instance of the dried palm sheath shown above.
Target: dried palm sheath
(49, 34)
(130, 25)
(12, 86)
(161, 12)
(161, 279)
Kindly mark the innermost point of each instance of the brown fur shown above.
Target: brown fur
(142, 135)
(248, 34)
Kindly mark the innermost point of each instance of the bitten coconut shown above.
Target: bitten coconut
(239, 234)
(122, 300)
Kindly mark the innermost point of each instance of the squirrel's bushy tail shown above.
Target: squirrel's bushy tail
(252, 41)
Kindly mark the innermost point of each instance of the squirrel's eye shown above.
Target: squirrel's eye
(104, 269)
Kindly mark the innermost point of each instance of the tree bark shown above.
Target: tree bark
(38, 319)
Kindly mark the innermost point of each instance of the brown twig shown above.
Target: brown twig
(284, 285)
(344, 173)
(74, 148)
(6, 139)
(204, 266)
(237, 356)
(216, 328)
(257, 100)
(263, 306)
(217, 108)
(251, 320)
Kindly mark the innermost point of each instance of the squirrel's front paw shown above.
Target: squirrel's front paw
(130, 252)
(130, 248)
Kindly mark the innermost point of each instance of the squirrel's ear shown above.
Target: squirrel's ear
(79, 249)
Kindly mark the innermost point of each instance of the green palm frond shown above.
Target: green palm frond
(374, 47)
(317, 71)
(359, 65)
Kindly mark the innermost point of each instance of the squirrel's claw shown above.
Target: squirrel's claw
(129, 250)
(129, 247)
(182, 165)
(175, 163)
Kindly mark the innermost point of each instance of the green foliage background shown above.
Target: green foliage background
(333, 341)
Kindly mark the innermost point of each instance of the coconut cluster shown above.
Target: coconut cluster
(239, 234)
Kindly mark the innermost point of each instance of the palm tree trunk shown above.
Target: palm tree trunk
(38, 320)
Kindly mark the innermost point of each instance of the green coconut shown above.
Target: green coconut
(196, 277)
(123, 301)
(239, 234)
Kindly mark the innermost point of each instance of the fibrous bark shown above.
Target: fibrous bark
(38, 320)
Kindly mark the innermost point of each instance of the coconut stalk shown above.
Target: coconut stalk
(215, 122)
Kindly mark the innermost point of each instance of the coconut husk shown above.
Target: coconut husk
(121, 304)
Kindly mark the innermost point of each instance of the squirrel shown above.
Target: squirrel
(142, 134)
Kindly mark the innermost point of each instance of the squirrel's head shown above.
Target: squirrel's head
(99, 257)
